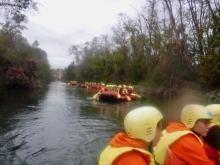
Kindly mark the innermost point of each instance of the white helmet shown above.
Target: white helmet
(215, 110)
(192, 112)
(141, 123)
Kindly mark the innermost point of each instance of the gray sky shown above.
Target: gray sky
(60, 24)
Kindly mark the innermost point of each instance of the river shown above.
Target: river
(56, 125)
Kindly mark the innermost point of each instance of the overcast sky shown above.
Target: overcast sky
(60, 24)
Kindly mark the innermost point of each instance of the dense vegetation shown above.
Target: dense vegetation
(170, 43)
(21, 65)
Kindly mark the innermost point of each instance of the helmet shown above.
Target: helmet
(141, 123)
(192, 112)
(215, 110)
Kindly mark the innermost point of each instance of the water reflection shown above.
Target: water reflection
(16, 106)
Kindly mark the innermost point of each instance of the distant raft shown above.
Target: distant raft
(91, 86)
(110, 96)
(73, 83)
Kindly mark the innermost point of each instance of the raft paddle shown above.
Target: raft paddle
(96, 95)
(128, 98)
(134, 94)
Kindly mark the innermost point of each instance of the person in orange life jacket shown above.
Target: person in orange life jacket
(143, 128)
(120, 89)
(181, 143)
(125, 90)
(131, 90)
(212, 140)
(103, 89)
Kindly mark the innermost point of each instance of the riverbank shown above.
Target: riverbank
(171, 100)
(193, 94)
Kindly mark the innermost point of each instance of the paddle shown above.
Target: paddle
(119, 91)
(96, 95)
(128, 98)
(138, 96)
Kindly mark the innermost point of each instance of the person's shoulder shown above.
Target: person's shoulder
(188, 143)
(190, 139)
(131, 157)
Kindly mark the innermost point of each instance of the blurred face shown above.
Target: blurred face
(202, 127)
(158, 134)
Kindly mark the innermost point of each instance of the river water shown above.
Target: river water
(57, 125)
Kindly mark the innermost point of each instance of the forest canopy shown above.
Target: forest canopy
(169, 43)
(21, 65)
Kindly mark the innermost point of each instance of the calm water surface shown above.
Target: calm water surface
(57, 125)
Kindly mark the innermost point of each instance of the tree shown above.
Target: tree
(35, 44)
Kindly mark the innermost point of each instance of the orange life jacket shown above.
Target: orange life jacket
(180, 146)
(123, 150)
